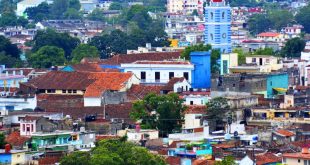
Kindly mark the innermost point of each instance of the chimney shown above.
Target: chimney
(7, 148)
(305, 150)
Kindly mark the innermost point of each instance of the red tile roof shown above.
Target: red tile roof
(266, 158)
(31, 118)
(284, 133)
(15, 139)
(301, 144)
(94, 83)
(104, 137)
(87, 67)
(268, 34)
(138, 92)
(196, 109)
(130, 58)
(172, 160)
(172, 81)
(224, 145)
(297, 155)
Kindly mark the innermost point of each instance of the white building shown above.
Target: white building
(159, 71)
(23, 5)
(18, 103)
(185, 6)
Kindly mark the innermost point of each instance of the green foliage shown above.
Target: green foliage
(116, 6)
(47, 56)
(74, 4)
(39, 13)
(241, 55)
(96, 15)
(216, 110)
(259, 23)
(163, 112)
(228, 160)
(72, 13)
(59, 7)
(195, 13)
(10, 19)
(8, 48)
(293, 47)
(114, 152)
(52, 38)
(76, 158)
(302, 17)
(84, 50)
(138, 14)
(280, 18)
(247, 3)
(9, 61)
(7, 7)
(265, 51)
(2, 140)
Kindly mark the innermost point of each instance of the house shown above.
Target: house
(17, 141)
(187, 7)
(302, 157)
(253, 45)
(196, 97)
(283, 135)
(293, 31)
(90, 85)
(11, 79)
(32, 124)
(18, 102)
(176, 85)
(88, 6)
(270, 84)
(201, 75)
(228, 61)
(12, 157)
(271, 36)
(137, 135)
(156, 72)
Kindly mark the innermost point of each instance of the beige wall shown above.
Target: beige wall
(18, 158)
(78, 92)
(293, 161)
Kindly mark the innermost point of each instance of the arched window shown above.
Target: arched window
(211, 35)
(211, 15)
(223, 15)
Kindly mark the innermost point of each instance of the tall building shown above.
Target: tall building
(218, 25)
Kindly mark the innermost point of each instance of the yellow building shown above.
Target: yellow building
(12, 157)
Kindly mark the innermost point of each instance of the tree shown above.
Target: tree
(52, 38)
(9, 61)
(76, 158)
(265, 51)
(84, 50)
(7, 7)
(96, 15)
(302, 17)
(195, 13)
(115, 6)
(39, 13)
(280, 18)
(75, 4)
(47, 56)
(163, 112)
(10, 19)
(2, 140)
(228, 160)
(72, 13)
(156, 35)
(216, 110)
(8, 48)
(259, 23)
(59, 7)
(293, 47)
(114, 152)
(241, 55)
(138, 14)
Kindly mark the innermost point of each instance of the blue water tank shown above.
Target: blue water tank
(201, 75)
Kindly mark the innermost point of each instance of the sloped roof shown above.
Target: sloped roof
(268, 34)
(172, 81)
(86, 67)
(285, 133)
(15, 139)
(266, 158)
(196, 109)
(137, 92)
(130, 58)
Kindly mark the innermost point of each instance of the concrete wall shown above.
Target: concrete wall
(92, 101)
(201, 75)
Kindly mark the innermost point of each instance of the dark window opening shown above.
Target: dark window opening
(185, 75)
(191, 103)
(157, 76)
(143, 75)
(171, 74)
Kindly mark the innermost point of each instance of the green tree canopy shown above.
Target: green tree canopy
(258, 23)
(114, 152)
(293, 47)
(75, 4)
(228, 160)
(265, 51)
(84, 50)
(47, 56)
(8, 48)
(59, 7)
(96, 15)
(7, 7)
(39, 13)
(216, 110)
(52, 38)
(115, 6)
(163, 112)
(280, 18)
(10, 19)
(241, 55)
(2, 140)
(72, 13)
(302, 17)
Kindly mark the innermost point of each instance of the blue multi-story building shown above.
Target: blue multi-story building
(201, 75)
(218, 25)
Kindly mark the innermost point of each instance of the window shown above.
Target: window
(298, 160)
(143, 75)
(224, 35)
(253, 59)
(185, 75)
(171, 74)
(211, 15)
(223, 15)
(24, 127)
(51, 91)
(270, 83)
(157, 76)
(201, 102)
(260, 61)
(191, 102)
(64, 91)
(186, 88)
(42, 127)
(211, 36)
(305, 162)
(225, 66)
(74, 91)
(31, 127)
(70, 91)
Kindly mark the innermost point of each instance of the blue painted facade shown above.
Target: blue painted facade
(279, 80)
(5, 158)
(201, 75)
(218, 25)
